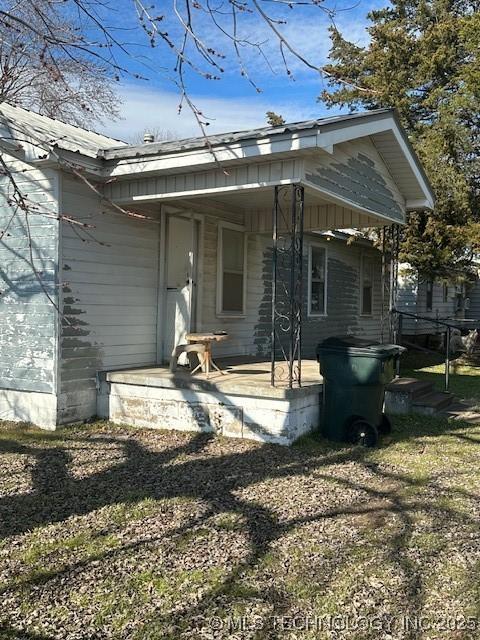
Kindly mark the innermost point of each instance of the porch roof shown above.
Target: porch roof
(165, 147)
(295, 141)
(357, 169)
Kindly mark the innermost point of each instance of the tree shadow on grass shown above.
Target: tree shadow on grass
(188, 471)
(9, 633)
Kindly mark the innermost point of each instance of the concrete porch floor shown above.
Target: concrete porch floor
(241, 404)
(243, 376)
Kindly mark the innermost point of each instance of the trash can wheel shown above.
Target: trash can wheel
(363, 434)
(385, 425)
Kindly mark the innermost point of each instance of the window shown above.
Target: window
(317, 281)
(367, 286)
(459, 302)
(445, 292)
(429, 295)
(231, 271)
(458, 298)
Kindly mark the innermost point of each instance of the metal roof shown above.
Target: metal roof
(188, 144)
(382, 125)
(17, 123)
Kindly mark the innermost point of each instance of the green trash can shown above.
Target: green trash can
(355, 373)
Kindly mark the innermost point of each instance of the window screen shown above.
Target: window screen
(429, 295)
(367, 286)
(233, 257)
(317, 280)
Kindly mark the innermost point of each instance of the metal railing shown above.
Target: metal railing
(397, 335)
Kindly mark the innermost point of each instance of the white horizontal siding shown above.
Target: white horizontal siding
(407, 297)
(251, 334)
(28, 319)
(251, 174)
(316, 218)
(109, 297)
(343, 315)
(474, 294)
(412, 298)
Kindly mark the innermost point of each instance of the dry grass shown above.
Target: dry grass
(116, 533)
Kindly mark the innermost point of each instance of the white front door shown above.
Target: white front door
(180, 280)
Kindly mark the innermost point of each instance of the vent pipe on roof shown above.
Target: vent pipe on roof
(148, 137)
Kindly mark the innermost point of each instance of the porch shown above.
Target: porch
(240, 252)
(234, 215)
(241, 403)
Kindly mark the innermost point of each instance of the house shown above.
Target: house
(430, 300)
(472, 300)
(125, 249)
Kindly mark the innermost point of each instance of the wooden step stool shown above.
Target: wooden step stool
(195, 347)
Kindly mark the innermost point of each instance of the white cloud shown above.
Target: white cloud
(145, 108)
(305, 28)
(310, 39)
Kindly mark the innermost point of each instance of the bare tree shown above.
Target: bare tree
(36, 75)
(62, 56)
(186, 37)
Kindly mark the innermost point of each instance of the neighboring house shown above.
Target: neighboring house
(472, 308)
(126, 289)
(432, 299)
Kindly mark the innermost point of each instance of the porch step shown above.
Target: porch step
(410, 386)
(432, 403)
(409, 395)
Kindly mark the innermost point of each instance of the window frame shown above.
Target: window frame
(219, 302)
(445, 292)
(363, 260)
(429, 293)
(324, 313)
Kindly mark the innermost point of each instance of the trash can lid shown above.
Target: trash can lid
(359, 347)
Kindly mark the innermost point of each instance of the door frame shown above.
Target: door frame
(166, 212)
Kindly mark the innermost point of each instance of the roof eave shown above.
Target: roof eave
(313, 136)
(71, 161)
(428, 185)
(192, 144)
(420, 205)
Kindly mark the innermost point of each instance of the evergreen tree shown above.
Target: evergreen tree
(274, 120)
(423, 59)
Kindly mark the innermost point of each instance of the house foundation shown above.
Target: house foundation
(239, 404)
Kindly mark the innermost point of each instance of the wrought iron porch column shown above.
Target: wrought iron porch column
(390, 251)
(287, 284)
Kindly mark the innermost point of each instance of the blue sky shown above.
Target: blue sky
(230, 103)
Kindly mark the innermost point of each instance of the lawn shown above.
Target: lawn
(464, 378)
(110, 532)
